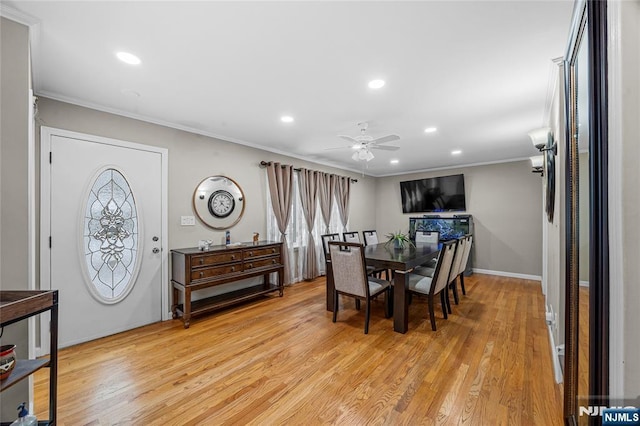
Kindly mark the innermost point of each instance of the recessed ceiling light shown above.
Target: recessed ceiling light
(128, 58)
(394, 161)
(286, 119)
(376, 84)
(456, 152)
(430, 129)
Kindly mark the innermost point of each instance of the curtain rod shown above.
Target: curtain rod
(264, 164)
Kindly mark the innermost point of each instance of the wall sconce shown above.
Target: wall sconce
(542, 140)
(537, 164)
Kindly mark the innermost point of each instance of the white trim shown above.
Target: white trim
(616, 240)
(17, 15)
(46, 134)
(555, 356)
(508, 274)
(31, 229)
(582, 283)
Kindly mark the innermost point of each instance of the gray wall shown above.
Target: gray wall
(505, 201)
(192, 158)
(14, 142)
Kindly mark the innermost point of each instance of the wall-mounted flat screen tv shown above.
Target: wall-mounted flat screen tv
(437, 194)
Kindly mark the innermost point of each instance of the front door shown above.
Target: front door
(103, 200)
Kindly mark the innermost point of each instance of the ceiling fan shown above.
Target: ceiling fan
(363, 143)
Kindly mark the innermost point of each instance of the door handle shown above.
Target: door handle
(156, 250)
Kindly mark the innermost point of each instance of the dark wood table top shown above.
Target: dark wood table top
(382, 255)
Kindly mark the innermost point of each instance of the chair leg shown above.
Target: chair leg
(446, 296)
(358, 304)
(431, 313)
(443, 302)
(335, 305)
(455, 291)
(387, 307)
(462, 284)
(366, 317)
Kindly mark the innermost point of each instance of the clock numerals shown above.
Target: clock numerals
(221, 204)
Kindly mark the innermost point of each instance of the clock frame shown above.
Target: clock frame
(219, 202)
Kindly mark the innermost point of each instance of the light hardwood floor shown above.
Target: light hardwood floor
(282, 361)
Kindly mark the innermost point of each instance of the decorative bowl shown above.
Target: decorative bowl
(7, 360)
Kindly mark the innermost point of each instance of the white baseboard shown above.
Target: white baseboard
(583, 283)
(508, 274)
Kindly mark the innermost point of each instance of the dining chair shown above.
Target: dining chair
(351, 237)
(427, 237)
(325, 243)
(463, 261)
(351, 279)
(432, 286)
(370, 237)
(455, 266)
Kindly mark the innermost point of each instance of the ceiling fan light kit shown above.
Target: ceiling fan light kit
(364, 143)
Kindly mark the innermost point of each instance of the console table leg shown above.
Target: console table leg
(174, 306)
(186, 314)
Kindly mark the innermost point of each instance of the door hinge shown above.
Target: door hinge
(50, 156)
(49, 241)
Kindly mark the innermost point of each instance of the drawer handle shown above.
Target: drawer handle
(201, 261)
(233, 257)
(201, 274)
(273, 261)
(250, 253)
(250, 265)
(273, 250)
(233, 268)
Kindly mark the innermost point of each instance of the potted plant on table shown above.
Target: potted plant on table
(399, 240)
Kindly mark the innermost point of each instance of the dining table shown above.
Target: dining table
(399, 260)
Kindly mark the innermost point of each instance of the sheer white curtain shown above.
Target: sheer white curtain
(335, 227)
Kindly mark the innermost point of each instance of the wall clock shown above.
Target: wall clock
(218, 202)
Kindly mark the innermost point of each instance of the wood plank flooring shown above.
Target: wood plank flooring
(282, 361)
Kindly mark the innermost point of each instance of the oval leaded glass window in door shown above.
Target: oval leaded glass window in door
(110, 237)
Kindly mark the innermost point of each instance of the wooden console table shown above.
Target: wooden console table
(193, 269)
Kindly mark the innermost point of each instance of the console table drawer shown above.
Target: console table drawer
(259, 252)
(200, 274)
(215, 259)
(261, 263)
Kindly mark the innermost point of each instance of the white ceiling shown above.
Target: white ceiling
(479, 71)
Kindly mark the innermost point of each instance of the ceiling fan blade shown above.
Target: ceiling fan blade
(385, 148)
(339, 147)
(385, 139)
(348, 138)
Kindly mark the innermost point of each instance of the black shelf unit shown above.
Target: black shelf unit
(18, 305)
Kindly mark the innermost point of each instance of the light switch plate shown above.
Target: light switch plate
(187, 220)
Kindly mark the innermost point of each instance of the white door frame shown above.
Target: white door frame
(46, 134)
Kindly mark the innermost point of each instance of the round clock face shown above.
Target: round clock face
(221, 203)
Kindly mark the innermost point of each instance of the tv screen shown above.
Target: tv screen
(438, 194)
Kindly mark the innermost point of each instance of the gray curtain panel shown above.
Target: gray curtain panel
(343, 186)
(308, 184)
(326, 190)
(280, 179)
